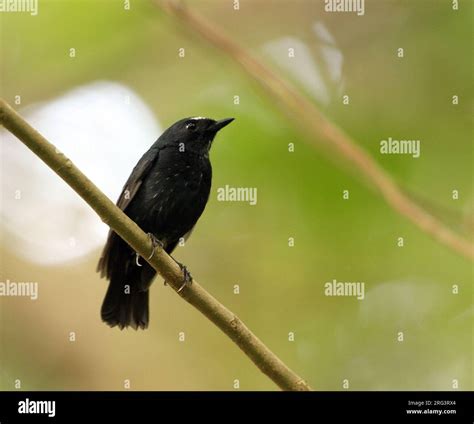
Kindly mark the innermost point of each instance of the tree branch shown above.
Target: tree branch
(166, 267)
(320, 128)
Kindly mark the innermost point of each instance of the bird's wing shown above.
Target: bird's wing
(136, 178)
(129, 190)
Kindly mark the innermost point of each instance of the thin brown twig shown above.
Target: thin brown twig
(320, 128)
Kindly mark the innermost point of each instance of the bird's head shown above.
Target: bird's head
(195, 133)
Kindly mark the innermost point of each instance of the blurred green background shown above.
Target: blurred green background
(408, 289)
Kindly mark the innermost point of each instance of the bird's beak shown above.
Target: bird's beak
(221, 124)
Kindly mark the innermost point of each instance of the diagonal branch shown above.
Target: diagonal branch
(320, 129)
(196, 295)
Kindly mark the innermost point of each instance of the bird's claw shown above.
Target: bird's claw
(155, 242)
(188, 278)
(137, 257)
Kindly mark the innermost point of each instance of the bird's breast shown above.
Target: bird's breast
(179, 190)
(190, 174)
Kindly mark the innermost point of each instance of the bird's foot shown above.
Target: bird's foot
(155, 242)
(188, 278)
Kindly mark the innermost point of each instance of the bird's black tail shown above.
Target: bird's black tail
(125, 306)
(126, 300)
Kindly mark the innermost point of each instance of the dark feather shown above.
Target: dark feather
(130, 189)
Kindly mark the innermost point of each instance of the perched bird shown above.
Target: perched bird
(165, 195)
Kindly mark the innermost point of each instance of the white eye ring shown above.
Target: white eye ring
(191, 126)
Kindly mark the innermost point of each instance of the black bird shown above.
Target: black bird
(165, 195)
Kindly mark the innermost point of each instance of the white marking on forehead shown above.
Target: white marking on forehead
(196, 118)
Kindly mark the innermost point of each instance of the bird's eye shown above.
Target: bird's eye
(191, 126)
